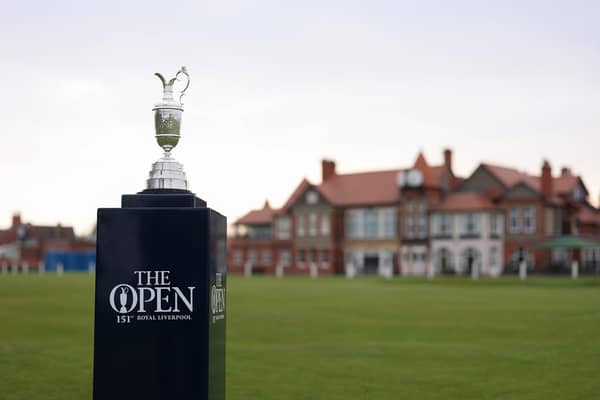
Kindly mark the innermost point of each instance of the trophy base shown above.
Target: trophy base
(161, 333)
(167, 173)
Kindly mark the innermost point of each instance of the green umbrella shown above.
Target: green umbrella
(567, 242)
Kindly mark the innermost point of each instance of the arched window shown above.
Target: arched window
(444, 261)
(469, 259)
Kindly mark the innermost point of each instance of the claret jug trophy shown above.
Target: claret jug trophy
(161, 281)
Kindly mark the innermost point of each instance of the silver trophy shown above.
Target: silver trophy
(167, 173)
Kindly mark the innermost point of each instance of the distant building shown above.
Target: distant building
(26, 245)
(417, 220)
(467, 232)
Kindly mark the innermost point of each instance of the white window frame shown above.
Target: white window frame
(301, 260)
(284, 227)
(285, 258)
(514, 220)
(312, 224)
(324, 263)
(371, 227)
(446, 224)
(300, 225)
(471, 224)
(529, 220)
(325, 228)
(252, 256)
(266, 256)
(421, 220)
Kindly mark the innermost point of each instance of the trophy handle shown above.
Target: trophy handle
(183, 71)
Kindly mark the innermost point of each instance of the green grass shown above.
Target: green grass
(337, 339)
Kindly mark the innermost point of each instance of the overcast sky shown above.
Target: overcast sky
(276, 86)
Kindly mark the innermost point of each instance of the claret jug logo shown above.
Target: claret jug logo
(153, 298)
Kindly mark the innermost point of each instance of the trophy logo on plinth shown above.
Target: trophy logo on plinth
(123, 300)
(167, 173)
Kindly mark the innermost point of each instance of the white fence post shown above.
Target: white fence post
(430, 270)
(350, 270)
(91, 267)
(41, 267)
(279, 271)
(60, 268)
(314, 271)
(4, 268)
(25, 268)
(523, 270)
(574, 269)
(248, 269)
(475, 271)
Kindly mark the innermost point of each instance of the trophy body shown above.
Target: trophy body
(161, 281)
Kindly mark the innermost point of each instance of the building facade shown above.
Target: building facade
(24, 246)
(418, 220)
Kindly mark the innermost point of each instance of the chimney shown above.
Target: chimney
(565, 171)
(448, 159)
(16, 219)
(546, 182)
(327, 170)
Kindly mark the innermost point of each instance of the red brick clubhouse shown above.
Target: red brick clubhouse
(418, 220)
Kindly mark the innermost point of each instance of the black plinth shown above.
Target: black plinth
(160, 299)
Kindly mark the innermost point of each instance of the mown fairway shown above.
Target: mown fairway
(337, 339)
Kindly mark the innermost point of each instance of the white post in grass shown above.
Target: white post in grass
(523, 270)
(314, 272)
(4, 268)
(475, 271)
(248, 269)
(574, 269)
(350, 271)
(25, 268)
(388, 271)
(15, 268)
(430, 270)
(279, 271)
(60, 268)
(41, 267)
(91, 266)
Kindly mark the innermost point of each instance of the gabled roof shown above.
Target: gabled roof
(300, 189)
(510, 177)
(258, 217)
(465, 201)
(365, 188)
(565, 183)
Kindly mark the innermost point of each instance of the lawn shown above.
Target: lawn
(338, 339)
